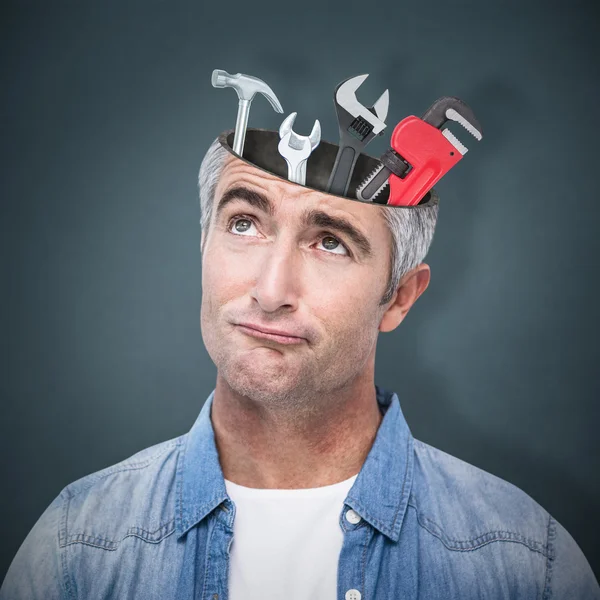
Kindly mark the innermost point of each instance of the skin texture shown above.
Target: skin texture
(302, 415)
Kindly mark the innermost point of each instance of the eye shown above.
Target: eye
(332, 243)
(241, 224)
(244, 222)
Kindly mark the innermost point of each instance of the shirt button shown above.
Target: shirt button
(352, 595)
(354, 518)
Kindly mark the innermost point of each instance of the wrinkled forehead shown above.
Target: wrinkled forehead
(238, 173)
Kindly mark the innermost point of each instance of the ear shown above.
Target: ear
(411, 286)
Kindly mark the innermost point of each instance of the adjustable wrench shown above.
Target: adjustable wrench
(296, 149)
(421, 153)
(358, 125)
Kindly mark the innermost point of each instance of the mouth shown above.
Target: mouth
(280, 338)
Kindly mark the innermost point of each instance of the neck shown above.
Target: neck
(264, 448)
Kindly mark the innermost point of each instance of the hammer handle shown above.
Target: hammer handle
(240, 126)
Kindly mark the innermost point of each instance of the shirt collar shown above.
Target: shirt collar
(381, 491)
(379, 494)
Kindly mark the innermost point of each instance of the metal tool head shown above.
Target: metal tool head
(298, 140)
(246, 87)
(294, 150)
(450, 108)
(345, 97)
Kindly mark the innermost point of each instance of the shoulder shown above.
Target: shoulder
(137, 468)
(132, 497)
(467, 507)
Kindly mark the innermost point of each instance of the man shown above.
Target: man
(300, 478)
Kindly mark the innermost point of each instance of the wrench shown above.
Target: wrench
(296, 149)
(358, 125)
(421, 153)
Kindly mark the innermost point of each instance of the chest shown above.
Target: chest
(320, 550)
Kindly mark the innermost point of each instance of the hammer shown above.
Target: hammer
(246, 87)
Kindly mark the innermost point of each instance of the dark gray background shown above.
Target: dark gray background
(107, 110)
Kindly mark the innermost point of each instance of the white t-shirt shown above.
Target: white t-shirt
(286, 543)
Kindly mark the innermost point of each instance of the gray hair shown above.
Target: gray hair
(411, 229)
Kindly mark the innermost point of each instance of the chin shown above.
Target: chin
(259, 382)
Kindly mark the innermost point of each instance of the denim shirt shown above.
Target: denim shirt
(160, 524)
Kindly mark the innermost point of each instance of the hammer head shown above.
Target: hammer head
(246, 87)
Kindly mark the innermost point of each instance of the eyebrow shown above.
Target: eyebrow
(311, 217)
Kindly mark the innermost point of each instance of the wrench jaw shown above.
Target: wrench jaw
(450, 108)
(472, 126)
(287, 124)
(296, 149)
(379, 109)
(297, 141)
(381, 106)
(367, 180)
(315, 135)
(460, 147)
(345, 92)
(364, 120)
(345, 96)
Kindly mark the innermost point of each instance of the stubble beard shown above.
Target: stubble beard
(292, 395)
(289, 394)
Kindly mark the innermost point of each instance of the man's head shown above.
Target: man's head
(328, 270)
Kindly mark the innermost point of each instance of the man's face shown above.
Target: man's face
(276, 258)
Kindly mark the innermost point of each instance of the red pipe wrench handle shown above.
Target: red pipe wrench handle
(430, 154)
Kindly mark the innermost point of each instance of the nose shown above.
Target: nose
(277, 283)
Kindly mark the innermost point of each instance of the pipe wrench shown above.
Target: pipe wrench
(421, 153)
(358, 125)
